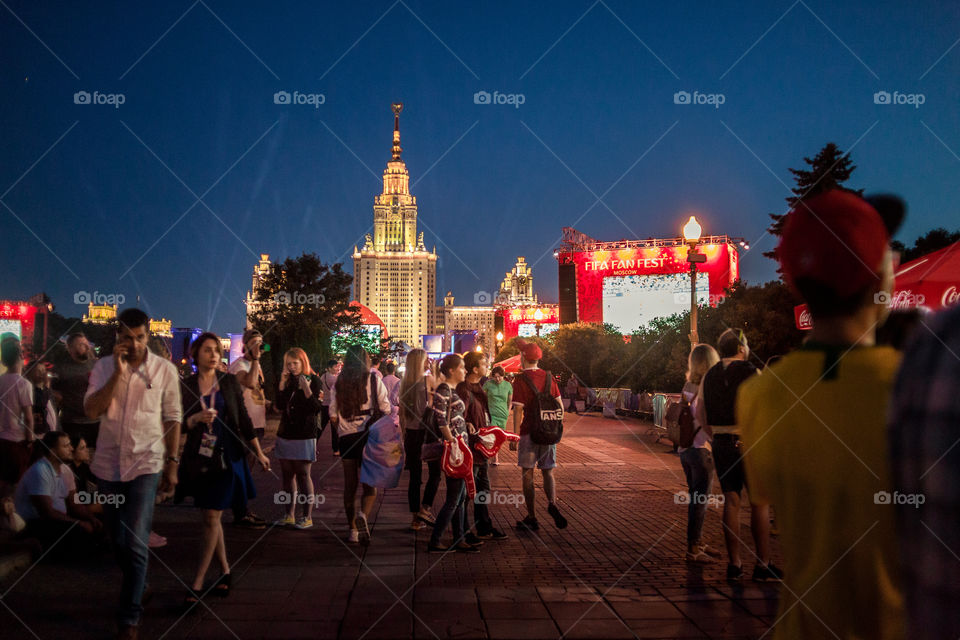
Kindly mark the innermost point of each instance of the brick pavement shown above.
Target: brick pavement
(617, 571)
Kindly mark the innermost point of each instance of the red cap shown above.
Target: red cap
(837, 239)
(530, 351)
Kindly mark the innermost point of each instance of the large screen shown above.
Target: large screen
(529, 329)
(631, 302)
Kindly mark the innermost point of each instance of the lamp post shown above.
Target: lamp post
(691, 233)
(538, 316)
(499, 343)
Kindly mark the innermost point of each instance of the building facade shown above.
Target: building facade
(480, 319)
(517, 286)
(394, 274)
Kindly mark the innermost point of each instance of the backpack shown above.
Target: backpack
(546, 416)
(685, 423)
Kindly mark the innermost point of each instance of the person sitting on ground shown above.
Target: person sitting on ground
(813, 427)
(11, 523)
(42, 500)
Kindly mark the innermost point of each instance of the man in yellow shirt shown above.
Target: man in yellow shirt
(813, 426)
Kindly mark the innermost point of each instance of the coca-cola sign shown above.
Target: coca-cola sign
(801, 316)
(906, 300)
(951, 296)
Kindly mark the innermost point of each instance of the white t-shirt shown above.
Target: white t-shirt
(41, 480)
(253, 399)
(16, 394)
(346, 427)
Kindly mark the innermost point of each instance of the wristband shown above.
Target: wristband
(174, 459)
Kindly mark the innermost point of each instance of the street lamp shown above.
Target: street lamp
(538, 316)
(499, 343)
(691, 233)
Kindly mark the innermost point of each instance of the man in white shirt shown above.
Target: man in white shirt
(136, 396)
(392, 383)
(250, 376)
(42, 499)
(16, 414)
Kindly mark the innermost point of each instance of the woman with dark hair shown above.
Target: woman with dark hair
(214, 469)
(299, 400)
(44, 415)
(359, 399)
(449, 409)
(416, 389)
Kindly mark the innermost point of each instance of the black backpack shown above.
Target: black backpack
(546, 414)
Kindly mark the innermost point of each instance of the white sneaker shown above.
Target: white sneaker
(354, 536)
(360, 522)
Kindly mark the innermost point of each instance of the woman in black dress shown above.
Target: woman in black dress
(214, 470)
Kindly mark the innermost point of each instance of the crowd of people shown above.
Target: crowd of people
(87, 451)
(849, 443)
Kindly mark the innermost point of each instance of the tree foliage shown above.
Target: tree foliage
(829, 169)
(928, 243)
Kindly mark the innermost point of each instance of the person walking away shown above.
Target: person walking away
(415, 396)
(697, 459)
(531, 455)
(823, 460)
(717, 415)
(359, 399)
(136, 397)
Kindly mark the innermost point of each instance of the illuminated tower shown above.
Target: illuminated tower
(394, 274)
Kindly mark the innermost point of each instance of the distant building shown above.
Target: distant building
(393, 274)
(107, 313)
(481, 319)
(260, 271)
(517, 287)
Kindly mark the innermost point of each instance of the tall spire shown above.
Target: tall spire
(397, 108)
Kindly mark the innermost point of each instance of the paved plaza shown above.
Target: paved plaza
(617, 571)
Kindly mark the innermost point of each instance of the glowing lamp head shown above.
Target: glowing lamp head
(538, 315)
(691, 231)
(499, 336)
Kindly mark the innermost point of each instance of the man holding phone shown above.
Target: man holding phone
(136, 397)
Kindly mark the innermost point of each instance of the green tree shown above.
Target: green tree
(302, 303)
(928, 243)
(829, 169)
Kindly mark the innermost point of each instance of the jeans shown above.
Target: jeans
(129, 525)
(412, 442)
(698, 468)
(452, 511)
(481, 512)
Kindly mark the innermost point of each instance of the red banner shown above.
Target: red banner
(801, 315)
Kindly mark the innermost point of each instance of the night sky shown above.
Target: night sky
(110, 193)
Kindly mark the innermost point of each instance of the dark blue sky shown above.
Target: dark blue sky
(492, 181)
